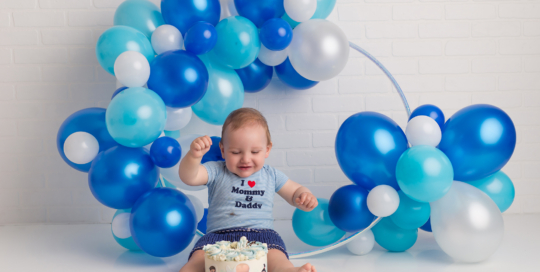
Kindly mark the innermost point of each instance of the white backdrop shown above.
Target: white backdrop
(451, 54)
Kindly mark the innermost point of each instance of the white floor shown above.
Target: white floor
(92, 248)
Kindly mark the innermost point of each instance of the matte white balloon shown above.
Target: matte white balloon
(171, 174)
(362, 244)
(272, 58)
(132, 69)
(423, 130)
(383, 200)
(300, 10)
(120, 226)
(319, 49)
(467, 224)
(81, 147)
(198, 205)
(177, 118)
(166, 38)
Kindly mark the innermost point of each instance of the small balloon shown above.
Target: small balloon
(422, 130)
(498, 187)
(383, 200)
(315, 227)
(410, 214)
(259, 11)
(165, 152)
(142, 15)
(167, 38)
(184, 14)
(348, 208)
(81, 147)
(177, 118)
(276, 34)
(291, 78)
(362, 244)
(300, 10)
(132, 69)
(120, 230)
(272, 58)
(256, 76)
(431, 111)
(392, 237)
(200, 38)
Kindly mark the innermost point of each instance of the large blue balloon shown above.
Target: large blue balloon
(368, 146)
(128, 242)
(214, 154)
(392, 237)
(410, 214)
(479, 140)
(142, 15)
(256, 76)
(286, 72)
(183, 14)
(432, 111)
(179, 78)
(163, 222)
(348, 208)
(276, 34)
(260, 11)
(499, 187)
(120, 175)
(315, 227)
(200, 38)
(119, 39)
(165, 152)
(90, 120)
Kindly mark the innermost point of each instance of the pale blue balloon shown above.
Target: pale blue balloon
(410, 214)
(498, 187)
(392, 237)
(315, 227)
(225, 93)
(142, 15)
(175, 134)
(136, 117)
(128, 242)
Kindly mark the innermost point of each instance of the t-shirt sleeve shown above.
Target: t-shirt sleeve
(214, 168)
(281, 178)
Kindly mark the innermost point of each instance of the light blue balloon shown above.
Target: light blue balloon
(225, 93)
(424, 173)
(324, 8)
(142, 15)
(136, 117)
(410, 214)
(392, 237)
(315, 227)
(175, 134)
(237, 44)
(119, 39)
(128, 243)
(499, 188)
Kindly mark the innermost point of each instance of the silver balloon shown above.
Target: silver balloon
(362, 244)
(466, 223)
(319, 49)
(177, 118)
(171, 174)
(272, 58)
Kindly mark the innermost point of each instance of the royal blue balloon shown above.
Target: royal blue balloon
(285, 71)
(142, 15)
(499, 188)
(214, 154)
(200, 38)
(120, 175)
(183, 14)
(392, 237)
(256, 76)
(179, 78)
(128, 242)
(368, 146)
(260, 11)
(119, 39)
(410, 214)
(118, 91)
(431, 111)
(202, 224)
(276, 34)
(163, 222)
(427, 226)
(315, 227)
(479, 140)
(348, 208)
(165, 152)
(90, 120)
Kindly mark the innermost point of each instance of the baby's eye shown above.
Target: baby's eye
(255, 152)
(235, 153)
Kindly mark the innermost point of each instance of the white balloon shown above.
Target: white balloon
(166, 38)
(177, 118)
(171, 174)
(300, 10)
(423, 130)
(319, 49)
(362, 244)
(81, 147)
(132, 69)
(120, 226)
(272, 58)
(383, 200)
(198, 205)
(466, 223)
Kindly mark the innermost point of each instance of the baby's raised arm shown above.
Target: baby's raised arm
(191, 170)
(298, 196)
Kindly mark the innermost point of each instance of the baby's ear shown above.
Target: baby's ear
(222, 149)
(268, 148)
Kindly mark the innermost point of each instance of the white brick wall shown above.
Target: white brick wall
(449, 53)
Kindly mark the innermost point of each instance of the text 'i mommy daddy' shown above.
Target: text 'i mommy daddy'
(249, 197)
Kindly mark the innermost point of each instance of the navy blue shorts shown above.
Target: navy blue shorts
(268, 236)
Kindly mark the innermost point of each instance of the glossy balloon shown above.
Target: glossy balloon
(362, 244)
(165, 152)
(90, 120)
(237, 44)
(120, 226)
(162, 222)
(315, 227)
(260, 11)
(300, 10)
(184, 14)
(479, 140)
(383, 200)
(498, 187)
(368, 146)
(276, 34)
(291, 78)
(120, 175)
(410, 214)
(200, 38)
(214, 154)
(427, 225)
(432, 111)
(467, 224)
(424, 173)
(422, 130)
(142, 15)
(179, 78)
(118, 91)
(392, 237)
(132, 69)
(225, 93)
(171, 174)
(177, 118)
(348, 208)
(272, 58)
(136, 117)
(81, 147)
(119, 39)
(166, 38)
(256, 76)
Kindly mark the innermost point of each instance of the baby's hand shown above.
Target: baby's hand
(306, 201)
(200, 146)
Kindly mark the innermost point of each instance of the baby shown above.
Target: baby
(241, 190)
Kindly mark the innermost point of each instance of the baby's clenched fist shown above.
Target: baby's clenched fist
(306, 202)
(200, 146)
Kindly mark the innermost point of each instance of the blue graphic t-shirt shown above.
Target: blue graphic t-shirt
(241, 202)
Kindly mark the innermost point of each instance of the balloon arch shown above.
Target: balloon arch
(439, 175)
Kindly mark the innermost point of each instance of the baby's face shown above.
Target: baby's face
(245, 149)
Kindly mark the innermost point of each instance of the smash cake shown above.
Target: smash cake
(240, 256)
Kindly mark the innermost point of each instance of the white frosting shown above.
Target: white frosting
(236, 251)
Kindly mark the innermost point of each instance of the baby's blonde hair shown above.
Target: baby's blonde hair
(243, 117)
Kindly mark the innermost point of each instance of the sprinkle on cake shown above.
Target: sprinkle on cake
(236, 251)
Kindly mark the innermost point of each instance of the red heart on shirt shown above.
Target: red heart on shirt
(251, 183)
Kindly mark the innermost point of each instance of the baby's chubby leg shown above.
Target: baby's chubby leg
(278, 262)
(195, 263)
